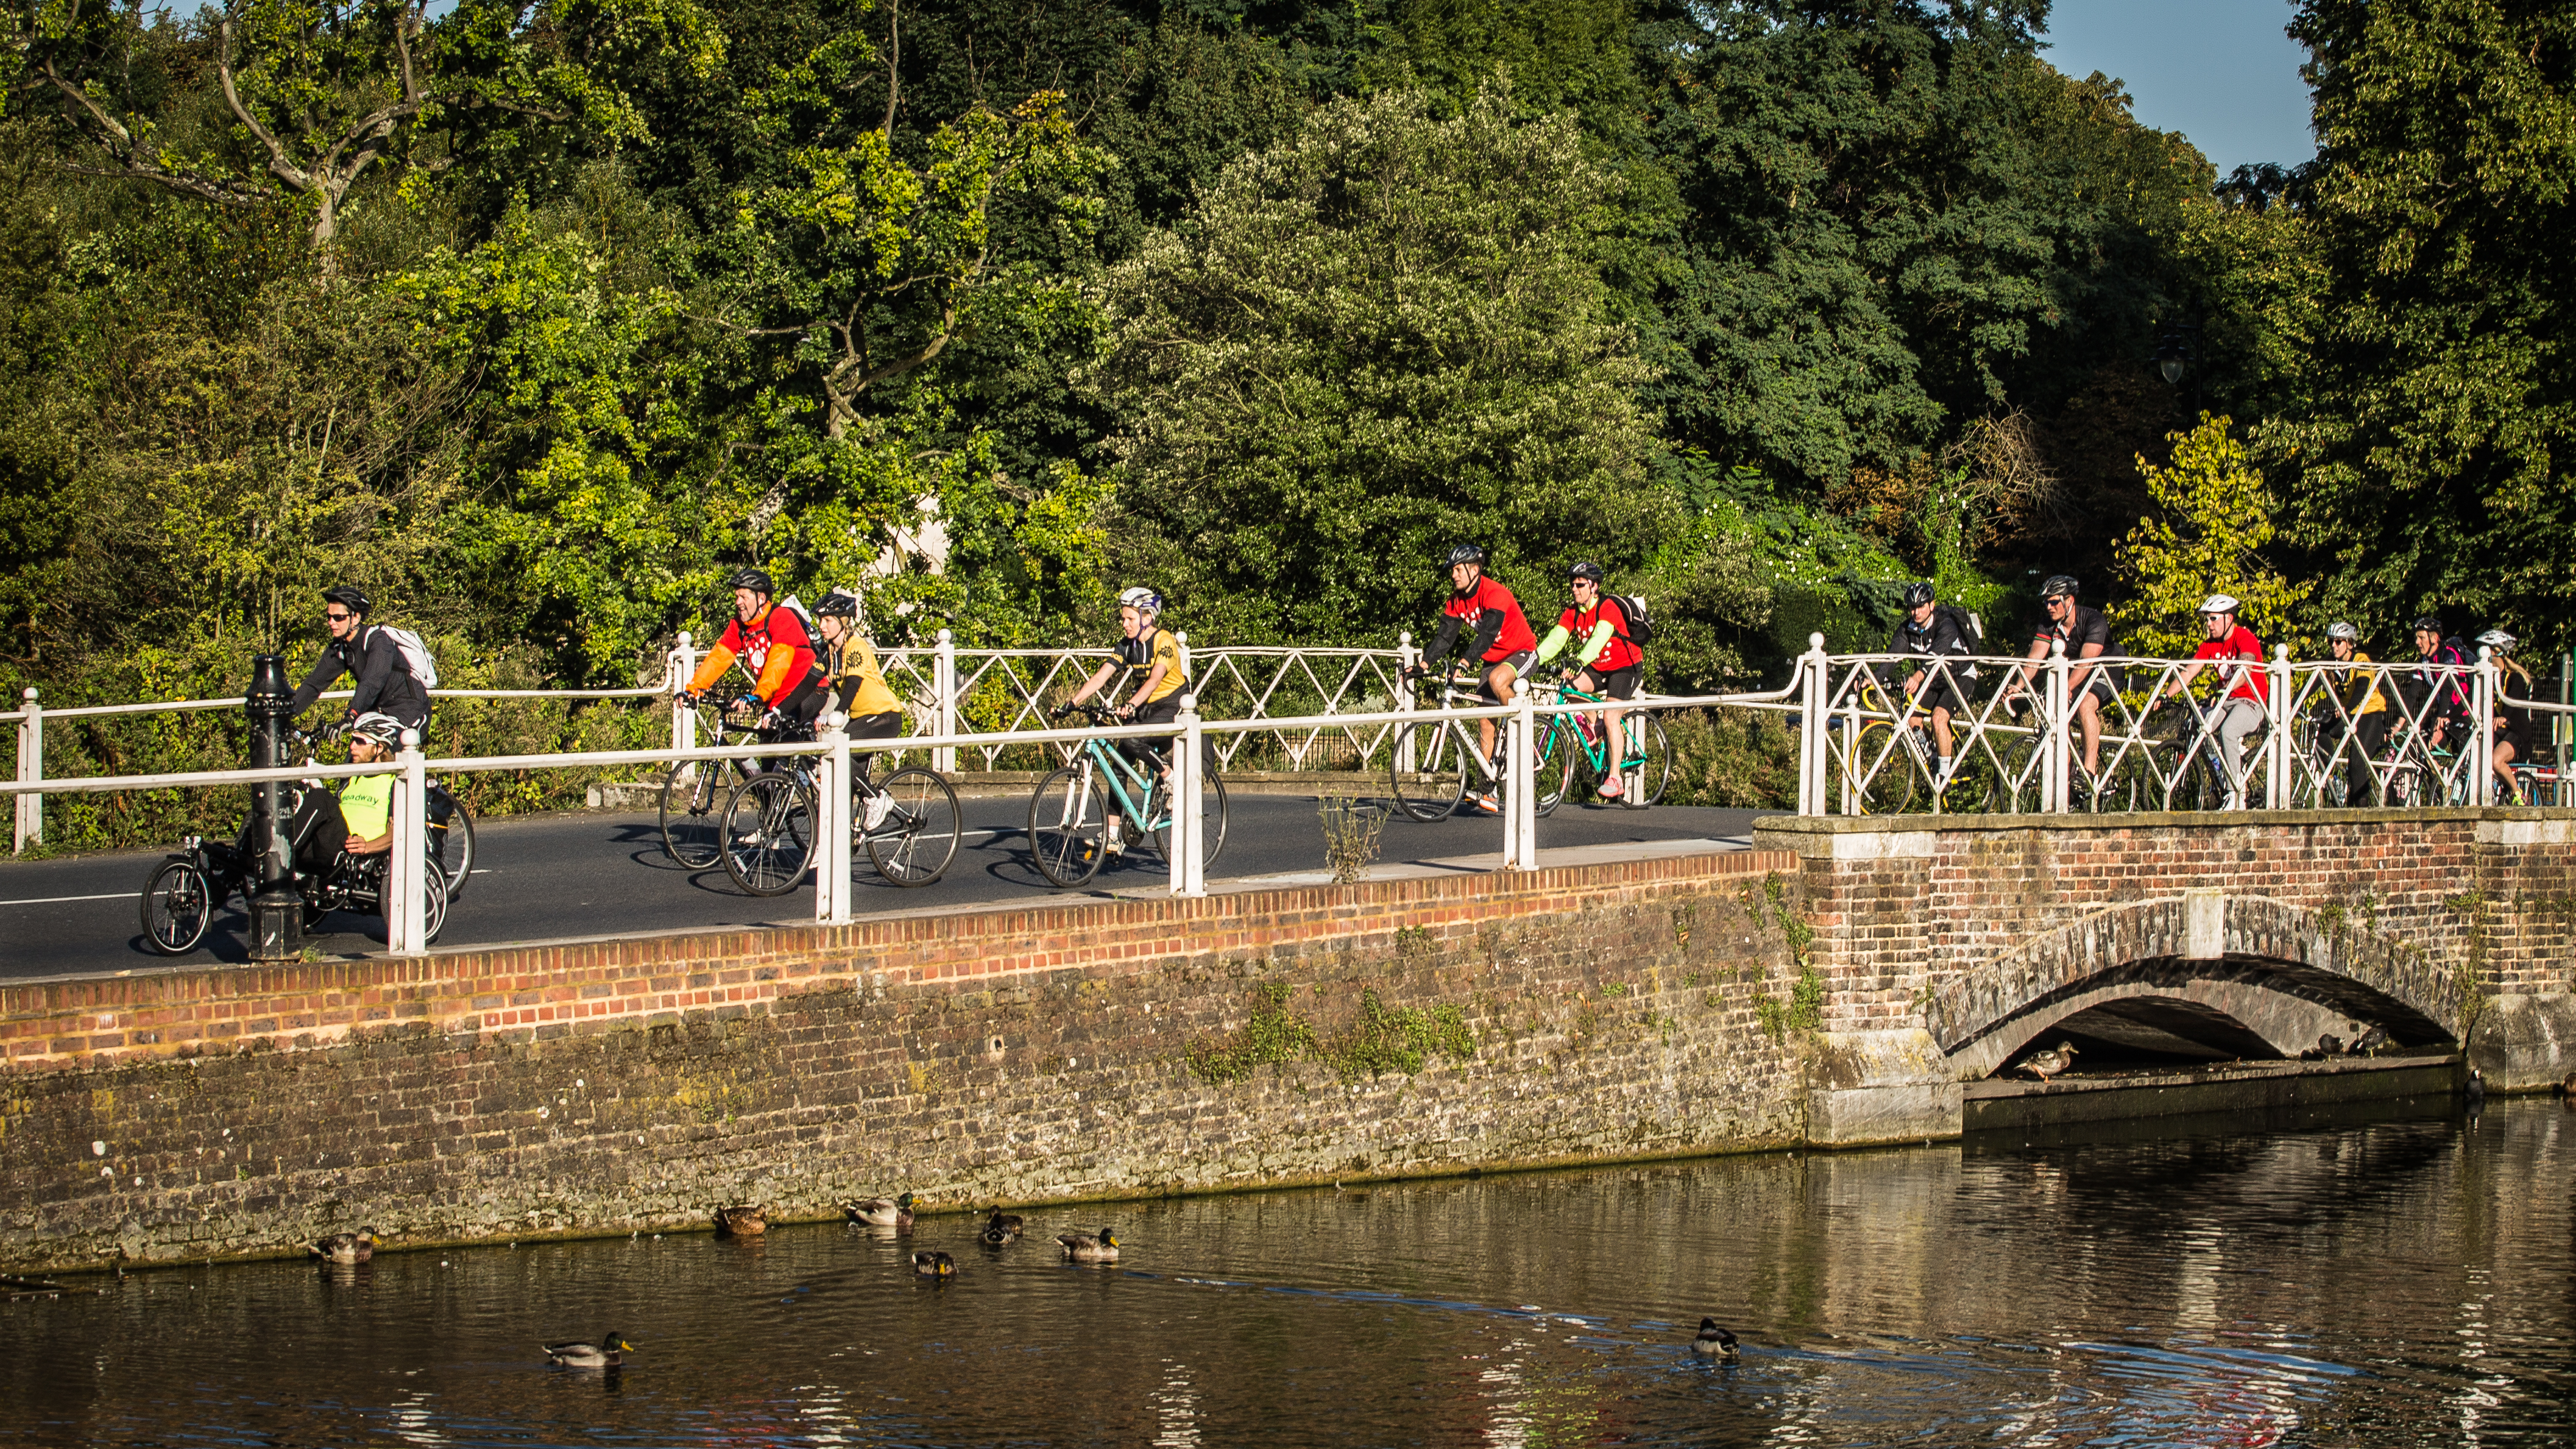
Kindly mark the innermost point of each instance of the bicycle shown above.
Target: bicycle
(1433, 760)
(2203, 779)
(1646, 757)
(766, 835)
(1080, 811)
(1890, 785)
(185, 890)
(694, 790)
(450, 824)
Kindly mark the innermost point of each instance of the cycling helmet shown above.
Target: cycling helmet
(1590, 571)
(2218, 604)
(756, 580)
(2341, 630)
(1142, 600)
(1465, 553)
(2058, 586)
(2429, 621)
(1917, 594)
(838, 604)
(2497, 640)
(384, 729)
(349, 597)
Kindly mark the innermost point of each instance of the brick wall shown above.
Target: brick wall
(1021, 1056)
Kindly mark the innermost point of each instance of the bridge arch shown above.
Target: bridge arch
(2260, 968)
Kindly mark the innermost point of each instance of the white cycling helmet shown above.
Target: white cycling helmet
(1142, 600)
(2341, 630)
(2498, 640)
(2218, 604)
(384, 729)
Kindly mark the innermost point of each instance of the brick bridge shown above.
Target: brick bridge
(1947, 952)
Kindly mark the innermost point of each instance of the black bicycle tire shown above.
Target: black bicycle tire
(1891, 788)
(433, 904)
(186, 940)
(1425, 802)
(1557, 732)
(455, 849)
(775, 817)
(1069, 870)
(909, 873)
(1658, 763)
(698, 805)
(1162, 836)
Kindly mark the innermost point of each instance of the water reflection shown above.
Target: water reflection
(2351, 1281)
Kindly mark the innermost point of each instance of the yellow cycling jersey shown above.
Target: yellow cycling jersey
(1141, 655)
(2372, 702)
(367, 806)
(858, 683)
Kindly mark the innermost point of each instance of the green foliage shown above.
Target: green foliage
(1400, 1039)
(1272, 1035)
(2217, 518)
(1738, 758)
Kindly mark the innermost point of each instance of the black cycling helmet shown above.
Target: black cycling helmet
(2429, 621)
(756, 580)
(1465, 553)
(349, 597)
(1917, 595)
(2058, 586)
(1590, 571)
(838, 604)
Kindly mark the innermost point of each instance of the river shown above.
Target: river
(2365, 1279)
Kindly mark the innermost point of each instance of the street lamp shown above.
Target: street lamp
(2178, 352)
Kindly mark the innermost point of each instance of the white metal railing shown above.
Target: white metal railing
(2119, 733)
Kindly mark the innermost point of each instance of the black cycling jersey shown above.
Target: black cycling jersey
(1941, 636)
(2087, 627)
(384, 680)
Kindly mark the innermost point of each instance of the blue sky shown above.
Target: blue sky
(2219, 71)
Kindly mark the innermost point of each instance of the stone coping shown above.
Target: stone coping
(2149, 819)
(2003, 1088)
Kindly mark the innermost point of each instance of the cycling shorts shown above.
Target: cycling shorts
(1940, 693)
(1519, 660)
(1618, 683)
(2518, 736)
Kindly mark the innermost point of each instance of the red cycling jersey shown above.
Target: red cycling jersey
(1470, 610)
(1616, 655)
(2240, 643)
(775, 645)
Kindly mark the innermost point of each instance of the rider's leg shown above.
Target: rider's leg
(874, 805)
(1941, 737)
(2240, 718)
(2088, 713)
(2369, 738)
(2505, 755)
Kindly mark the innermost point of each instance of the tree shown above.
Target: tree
(2217, 517)
(2433, 455)
(1364, 345)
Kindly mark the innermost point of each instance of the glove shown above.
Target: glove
(1060, 712)
(1415, 671)
(771, 719)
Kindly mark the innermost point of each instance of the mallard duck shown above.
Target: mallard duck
(879, 1212)
(1099, 1247)
(1002, 1228)
(744, 1221)
(934, 1265)
(355, 1247)
(1714, 1342)
(2045, 1065)
(602, 1354)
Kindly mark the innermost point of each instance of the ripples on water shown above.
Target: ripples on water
(2394, 1282)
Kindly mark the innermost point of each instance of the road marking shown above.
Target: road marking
(57, 900)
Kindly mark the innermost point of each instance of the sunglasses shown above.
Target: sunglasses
(338, 618)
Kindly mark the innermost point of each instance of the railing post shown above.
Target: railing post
(2482, 700)
(31, 768)
(1520, 816)
(684, 715)
(2564, 727)
(832, 889)
(943, 682)
(1405, 658)
(2060, 791)
(1189, 823)
(2276, 794)
(407, 869)
(1811, 729)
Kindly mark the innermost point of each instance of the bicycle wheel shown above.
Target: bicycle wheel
(1971, 790)
(692, 832)
(1428, 769)
(1212, 815)
(1650, 769)
(452, 844)
(2017, 783)
(768, 833)
(918, 837)
(1560, 762)
(1068, 826)
(178, 906)
(435, 894)
(1890, 786)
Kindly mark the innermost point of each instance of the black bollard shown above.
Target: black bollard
(276, 911)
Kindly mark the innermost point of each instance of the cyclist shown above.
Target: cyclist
(2362, 720)
(2441, 702)
(357, 819)
(774, 647)
(2086, 634)
(1931, 632)
(1502, 644)
(858, 696)
(1151, 657)
(2512, 726)
(371, 656)
(1606, 661)
(2239, 656)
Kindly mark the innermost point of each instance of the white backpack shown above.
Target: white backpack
(415, 654)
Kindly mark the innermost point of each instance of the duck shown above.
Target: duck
(1002, 1228)
(1714, 1342)
(2372, 1042)
(1099, 1247)
(879, 1212)
(2045, 1065)
(2328, 1045)
(603, 1354)
(744, 1221)
(355, 1247)
(934, 1265)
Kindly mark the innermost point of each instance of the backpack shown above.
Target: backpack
(415, 654)
(1641, 629)
(804, 616)
(1971, 629)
